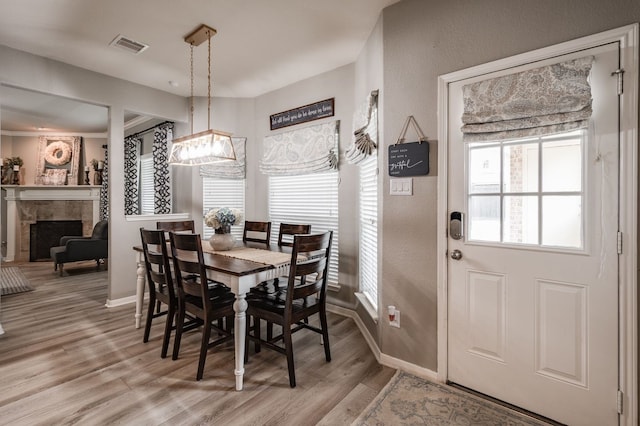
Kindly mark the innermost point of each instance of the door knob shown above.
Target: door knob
(456, 254)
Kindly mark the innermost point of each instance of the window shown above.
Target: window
(217, 192)
(369, 230)
(147, 190)
(307, 199)
(528, 191)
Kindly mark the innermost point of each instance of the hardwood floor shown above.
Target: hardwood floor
(67, 359)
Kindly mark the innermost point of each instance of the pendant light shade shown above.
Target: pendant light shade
(210, 146)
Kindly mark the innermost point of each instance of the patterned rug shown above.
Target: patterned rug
(12, 281)
(410, 400)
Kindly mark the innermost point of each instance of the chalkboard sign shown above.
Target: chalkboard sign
(409, 159)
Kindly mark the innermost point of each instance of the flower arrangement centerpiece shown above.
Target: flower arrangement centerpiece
(221, 219)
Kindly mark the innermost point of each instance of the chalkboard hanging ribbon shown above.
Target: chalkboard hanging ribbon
(414, 123)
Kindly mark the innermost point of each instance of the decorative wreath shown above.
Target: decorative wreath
(57, 153)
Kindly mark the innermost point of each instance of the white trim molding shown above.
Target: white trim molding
(627, 37)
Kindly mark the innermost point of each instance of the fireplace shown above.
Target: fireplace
(28, 204)
(45, 234)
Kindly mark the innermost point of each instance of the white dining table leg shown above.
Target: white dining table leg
(140, 272)
(240, 306)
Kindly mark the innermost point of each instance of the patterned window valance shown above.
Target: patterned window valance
(309, 150)
(365, 137)
(541, 101)
(229, 169)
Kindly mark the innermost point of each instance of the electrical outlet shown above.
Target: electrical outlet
(394, 316)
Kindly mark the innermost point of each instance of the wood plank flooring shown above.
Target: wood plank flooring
(67, 359)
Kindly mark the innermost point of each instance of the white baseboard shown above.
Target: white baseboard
(119, 302)
(383, 359)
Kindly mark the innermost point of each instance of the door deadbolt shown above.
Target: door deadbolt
(456, 225)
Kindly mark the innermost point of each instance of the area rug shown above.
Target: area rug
(410, 400)
(12, 281)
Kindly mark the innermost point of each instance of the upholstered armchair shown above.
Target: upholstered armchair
(75, 248)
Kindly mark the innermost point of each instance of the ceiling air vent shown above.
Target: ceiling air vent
(129, 45)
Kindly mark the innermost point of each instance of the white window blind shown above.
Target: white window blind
(218, 192)
(307, 199)
(147, 191)
(369, 229)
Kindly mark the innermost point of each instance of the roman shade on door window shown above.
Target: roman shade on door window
(542, 101)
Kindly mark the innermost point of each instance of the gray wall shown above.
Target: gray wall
(422, 40)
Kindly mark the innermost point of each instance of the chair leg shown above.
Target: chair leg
(61, 266)
(179, 325)
(256, 324)
(167, 330)
(204, 347)
(325, 334)
(147, 324)
(288, 345)
(55, 266)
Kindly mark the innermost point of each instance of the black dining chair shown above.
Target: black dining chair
(161, 286)
(305, 295)
(195, 297)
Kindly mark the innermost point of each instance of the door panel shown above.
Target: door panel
(533, 312)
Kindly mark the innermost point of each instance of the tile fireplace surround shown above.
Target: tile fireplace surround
(26, 204)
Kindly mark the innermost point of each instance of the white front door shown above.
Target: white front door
(533, 299)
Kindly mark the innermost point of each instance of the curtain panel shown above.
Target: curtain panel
(132, 147)
(104, 189)
(365, 136)
(542, 101)
(229, 169)
(162, 137)
(309, 150)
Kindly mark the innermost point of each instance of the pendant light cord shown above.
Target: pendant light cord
(191, 44)
(209, 85)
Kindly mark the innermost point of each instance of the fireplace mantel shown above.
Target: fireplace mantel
(14, 194)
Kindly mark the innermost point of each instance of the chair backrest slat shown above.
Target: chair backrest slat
(176, 225)
(188, 261)
(309, 276)
(288, 231)
(156, 259)
(252, 228)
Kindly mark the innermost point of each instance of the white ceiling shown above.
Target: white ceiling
(260, 45)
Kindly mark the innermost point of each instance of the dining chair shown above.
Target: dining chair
(161, 286)
(305, 296)
(196, 297)
(285, 238)
(258, 232)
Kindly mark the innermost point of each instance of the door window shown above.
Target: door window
(527, 192)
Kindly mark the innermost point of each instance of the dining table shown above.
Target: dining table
(244, 266)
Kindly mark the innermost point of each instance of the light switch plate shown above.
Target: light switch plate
(401, 186)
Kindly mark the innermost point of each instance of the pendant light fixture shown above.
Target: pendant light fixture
(210, 146)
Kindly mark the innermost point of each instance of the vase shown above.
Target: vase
(222, 240)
